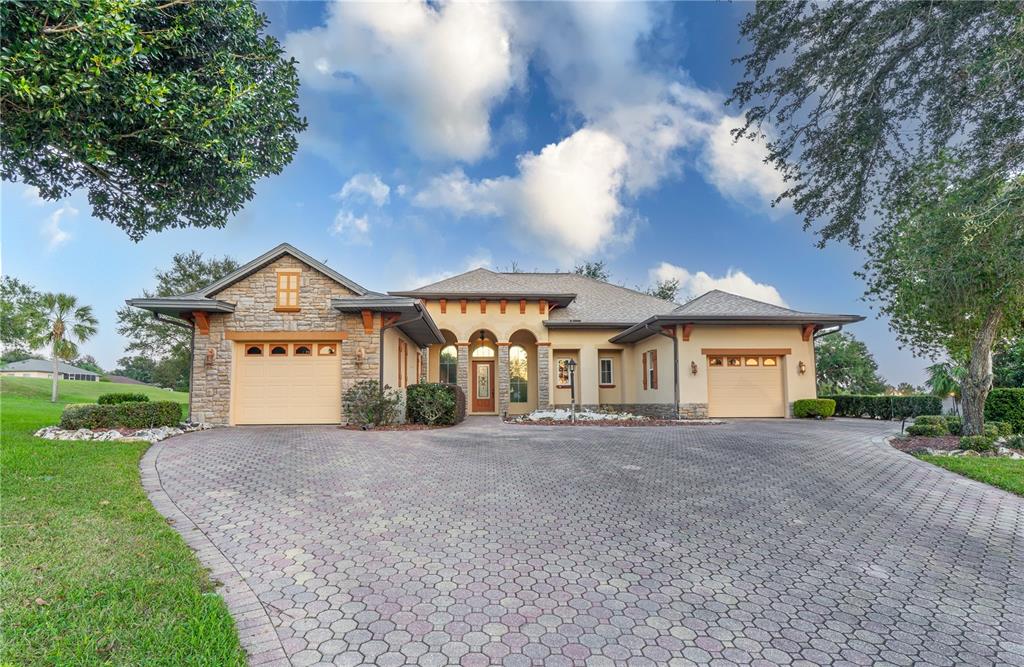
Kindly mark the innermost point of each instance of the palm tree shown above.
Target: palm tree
(944, 379)
(65, 325)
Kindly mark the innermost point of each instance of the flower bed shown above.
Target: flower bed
(155, 434)
(563, 417)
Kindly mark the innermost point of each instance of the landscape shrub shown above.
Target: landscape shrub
(977, 443)
(955, 425)
(991, 431)
(434, 403)
(137, 414)
(1006, 405)
(1015, 441)
(927, 430)
(121, 397)
(885, 407)
(1002, 428)
(937, 420)
(366, 405)
(814, 407)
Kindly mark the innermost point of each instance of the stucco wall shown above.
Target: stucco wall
(391, 360)
(503, 326)
(255, 298)
(612, 395)
(588, 345)
(694, 388)
(665, 392)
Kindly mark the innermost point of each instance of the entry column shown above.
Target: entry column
(503, 379)
(543, 375)
(462, 370)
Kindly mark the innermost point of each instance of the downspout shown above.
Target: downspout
(828, 332)
(675, 358)
(191, 353)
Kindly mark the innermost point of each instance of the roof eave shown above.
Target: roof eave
(175, 306)
(570, 324)
(631, 335)
(557, 297)
(429, 335)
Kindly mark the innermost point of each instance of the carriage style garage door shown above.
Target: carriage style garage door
(287, 383)
(745, 386)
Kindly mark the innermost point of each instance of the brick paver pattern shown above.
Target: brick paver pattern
(753, 542)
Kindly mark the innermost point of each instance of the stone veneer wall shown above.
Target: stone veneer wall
(543, 377)
(462, 371)
(504, 385)
(254, 298)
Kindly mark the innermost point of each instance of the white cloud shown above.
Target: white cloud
(737, 168)
(354, 228)
(479, 259)
(51, 230)
(735, 281)
(442, 68)
(365, 185)
(31, 195)
(567, 196)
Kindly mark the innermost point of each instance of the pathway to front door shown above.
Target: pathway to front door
(483, 386)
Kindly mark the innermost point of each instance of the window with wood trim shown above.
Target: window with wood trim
(607, 378)
(277, 350)
(752, 361)
(449, 365)
(254, 350)
(716, 362)
(302, 350)
(327, 349)
(734, 362)
(650, 368)
(403, 368)
(288, 291)
(770, 361)
(518, 374)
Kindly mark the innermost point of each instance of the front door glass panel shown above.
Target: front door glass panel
(483, 381)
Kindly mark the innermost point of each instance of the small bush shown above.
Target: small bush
(814, 407)
(1006, 405)
(955, 425)
(137, 414)
(1002, 428)
(937, 420)
(367, 405)
(1015, 441)
(990, 431)
(434, 403)
(885, 407)
(927, 430)
(122, 397)
(977, 443)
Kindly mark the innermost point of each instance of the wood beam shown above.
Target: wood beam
(389, 319)
(483, 306)
(462, 305)
(367, 321)
(202, 321)
(687, 330)
(503, 303)
(808, 331)
(444, 306)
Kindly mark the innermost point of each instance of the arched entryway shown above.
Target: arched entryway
(523, 375)
(483, 372)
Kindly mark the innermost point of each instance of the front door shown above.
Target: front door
(483, 386)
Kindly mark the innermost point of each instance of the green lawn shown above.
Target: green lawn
(90, 573)
(1006, 474)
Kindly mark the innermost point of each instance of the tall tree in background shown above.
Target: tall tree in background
(945, 379)
(597, 270)
(851, 96)
(868, 109)
(166, 344)
(19, 321)
(947, 268)
(1008, 364)
(166, 113)
(845, 366)
(665, 289)
(65, 325)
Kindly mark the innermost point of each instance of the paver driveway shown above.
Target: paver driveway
(758, 541)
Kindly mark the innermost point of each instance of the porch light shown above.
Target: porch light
(802, 367)
(693, 368)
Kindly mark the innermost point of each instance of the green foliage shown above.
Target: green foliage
(164, 113)
(955, 425)
(845, 365)
(367, 405)
(1001, 429)
(927, 430)
(1006, 405)
(88, 362)
(121, 397)
(938, 420)
(850, 95)
(1015, 441)
(19, 317)
(945, 378)
(597, 270)
(136, 367)
(977, 443)
(1008, 364)
(62, 325)
(665, 289)
(997, 471)
(814, 407)
(121, 415)
(434, 403)
(885, 407)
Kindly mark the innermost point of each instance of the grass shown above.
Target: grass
(90, 573)
(1003, 473)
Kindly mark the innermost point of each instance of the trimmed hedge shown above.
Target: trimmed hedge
(814, 408)
(955, 425)
(435, 403)
(1002, 428)
(122, 397)
(1006, 405)
(885, 407)
(927, 430)
(977, 443)
(137, 414)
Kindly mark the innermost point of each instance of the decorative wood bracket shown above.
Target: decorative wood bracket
(669, 330)
(808, 331)
(462, 306)
(503, 303)
(687, 330)
(444, 306)
(483, 306)
(368, 321)
(202, 321)
(389, 319)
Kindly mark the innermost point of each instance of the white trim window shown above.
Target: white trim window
(607, 371)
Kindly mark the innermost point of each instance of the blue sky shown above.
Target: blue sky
(446, 137)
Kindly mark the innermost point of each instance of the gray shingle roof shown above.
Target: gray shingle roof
(45, 366)
(717, 303)
(587, 301)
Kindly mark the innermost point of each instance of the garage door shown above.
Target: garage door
(287, 383)
(745, 386)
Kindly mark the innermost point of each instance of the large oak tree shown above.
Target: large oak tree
(165, 113)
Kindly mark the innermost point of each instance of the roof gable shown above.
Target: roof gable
(45, 366)
(272, 256)
(717, 303)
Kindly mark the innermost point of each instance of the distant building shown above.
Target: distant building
(43, 368)
(124, 379)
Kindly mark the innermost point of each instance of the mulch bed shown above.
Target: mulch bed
(608, 422)
(911, 443)
(392, 427)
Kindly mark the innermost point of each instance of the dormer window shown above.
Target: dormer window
(287, 291)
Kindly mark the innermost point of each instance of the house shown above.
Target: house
(280, 340)
(43, 368)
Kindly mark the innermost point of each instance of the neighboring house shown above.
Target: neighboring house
(281, 339)
(43, 368)
(124, 379)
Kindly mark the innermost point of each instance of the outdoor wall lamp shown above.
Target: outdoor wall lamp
(693, 368)
(802, 367)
